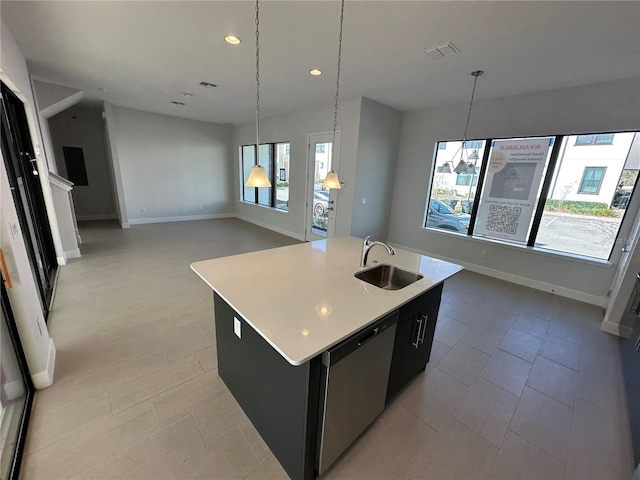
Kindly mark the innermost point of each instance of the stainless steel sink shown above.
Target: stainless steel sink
(388, 277)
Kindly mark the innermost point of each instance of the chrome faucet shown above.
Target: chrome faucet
(368, 245)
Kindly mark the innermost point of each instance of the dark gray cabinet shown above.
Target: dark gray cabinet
(280, 399)
(414, 338)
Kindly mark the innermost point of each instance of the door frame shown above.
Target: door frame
(321, 137)
(19, 136)
(624, 278)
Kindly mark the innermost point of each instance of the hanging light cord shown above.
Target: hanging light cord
(257, 82)
(335, 112)
(475, 74)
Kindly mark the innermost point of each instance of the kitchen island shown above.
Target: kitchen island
(278, 311)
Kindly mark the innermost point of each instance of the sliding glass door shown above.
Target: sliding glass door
(16, 394)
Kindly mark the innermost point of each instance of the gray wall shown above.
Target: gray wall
(608, 106)
(38, 346)
(294, 128)
(86, 131)
(378, 142)
(172, 168)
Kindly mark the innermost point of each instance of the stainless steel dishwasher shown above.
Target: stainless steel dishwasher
(354, 379)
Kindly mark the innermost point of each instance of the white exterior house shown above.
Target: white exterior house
(590, 166)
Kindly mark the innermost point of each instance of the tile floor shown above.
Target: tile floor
(521, 384)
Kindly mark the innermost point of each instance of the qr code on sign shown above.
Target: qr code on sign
(503, 219)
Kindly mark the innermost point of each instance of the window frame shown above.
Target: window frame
(594, 139)
(536, 219)
(273, 176)
(584, 175)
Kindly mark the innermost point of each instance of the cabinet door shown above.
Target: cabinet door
(403, 357)
(429, 317)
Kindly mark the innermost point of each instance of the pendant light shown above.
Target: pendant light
(446, 168)
(332, 180)
(463, 167)
(257, 176)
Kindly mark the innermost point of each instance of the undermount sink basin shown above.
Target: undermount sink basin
(388, 277)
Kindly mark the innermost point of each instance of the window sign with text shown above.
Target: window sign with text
(511, 188)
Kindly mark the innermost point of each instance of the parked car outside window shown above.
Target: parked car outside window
(320, 202)
(442, 216)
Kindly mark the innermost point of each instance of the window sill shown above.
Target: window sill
(596, 262)
(273, 209)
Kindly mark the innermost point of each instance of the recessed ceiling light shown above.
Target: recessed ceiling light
(232, 39)
(187, 94)
(179, 103)
(315, 71)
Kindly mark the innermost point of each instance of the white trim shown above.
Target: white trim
(60, 182)
(124, 226)
(61, 105)
(62, 261)
(73, 253)
(270, 227)
(104, 216)
(14, 389)
(44, 379)
(185, 218)
(615, 328)
(527, 282)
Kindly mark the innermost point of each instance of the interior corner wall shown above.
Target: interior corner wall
(172, 168)
(604, 107)
(37, 345)
(294, 128)
(378, 142)
(84, 128)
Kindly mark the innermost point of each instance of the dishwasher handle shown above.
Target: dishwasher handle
(368, 336)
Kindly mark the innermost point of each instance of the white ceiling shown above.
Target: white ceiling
(147, 53)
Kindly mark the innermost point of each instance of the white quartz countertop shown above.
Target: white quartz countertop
(303, 299)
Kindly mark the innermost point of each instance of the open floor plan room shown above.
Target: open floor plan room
(521, 384)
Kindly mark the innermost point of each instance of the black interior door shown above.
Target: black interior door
(24, 181)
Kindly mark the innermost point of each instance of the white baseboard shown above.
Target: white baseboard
(62, 261)
(616, 329)
(186, 218)
(107, 216)
(73, 253)
(124, 226)
(44, 379)
(270, 227)
(526, 282)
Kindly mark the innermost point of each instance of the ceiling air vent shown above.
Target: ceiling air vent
(179, 103)
(440, 51)
(208, 85)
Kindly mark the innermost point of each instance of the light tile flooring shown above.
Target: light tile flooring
(521, 384)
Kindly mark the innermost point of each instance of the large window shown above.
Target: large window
(541, 192)
(274, 157)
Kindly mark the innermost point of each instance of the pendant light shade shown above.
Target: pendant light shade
(446, 168)
(332, 181)
(258, 177)
(461, 167)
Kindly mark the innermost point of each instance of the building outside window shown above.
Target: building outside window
(549, 193)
